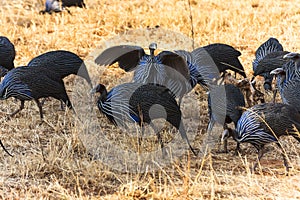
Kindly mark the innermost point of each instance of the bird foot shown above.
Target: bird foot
(41, 122)
(287, 170)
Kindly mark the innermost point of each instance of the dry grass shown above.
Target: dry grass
(52, 160)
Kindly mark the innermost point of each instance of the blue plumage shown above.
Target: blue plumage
(33, 83)
(132, 102)
(288, 80)
(266, 123)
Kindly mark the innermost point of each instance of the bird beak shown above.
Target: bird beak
(289, 55)
(277, 71)
(93, 91)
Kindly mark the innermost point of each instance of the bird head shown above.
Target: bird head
(152, 47)
(279, 72)
(100, 88)
(292, 56)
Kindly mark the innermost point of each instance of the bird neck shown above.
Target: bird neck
(103, 95)
(152, 52)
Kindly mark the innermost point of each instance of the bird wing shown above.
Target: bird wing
(63, 63)
(225, 57)
(41, 81)
(127, 56)
(174, 61)
(271, 45)
(205, 64)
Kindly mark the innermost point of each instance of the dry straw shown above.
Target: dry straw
(50, 160)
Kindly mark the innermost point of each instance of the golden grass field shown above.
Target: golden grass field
(51, 159)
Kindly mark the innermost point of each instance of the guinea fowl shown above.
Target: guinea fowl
(268, 57)
(7, 55)
(167, 68)
(54, 5)
(62, 63)
(33, 83)
(225, 58)
(51, 6)
(224, 103)
(133, 102)
(265, 123)
(288, 80)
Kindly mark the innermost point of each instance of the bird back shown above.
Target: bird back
(62, 63)
(27, 83)
(268, 122)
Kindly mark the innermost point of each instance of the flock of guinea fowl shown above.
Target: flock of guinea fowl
(164, 79)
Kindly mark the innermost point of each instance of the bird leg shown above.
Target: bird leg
(184, 136)
(223, 140)
(225, 127)
(285, 158)
(164, 152)
(141, 123)
(237, 149)
(18, 110)
(40, 108)
(261, 152)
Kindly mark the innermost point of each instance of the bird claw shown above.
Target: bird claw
(41, 122)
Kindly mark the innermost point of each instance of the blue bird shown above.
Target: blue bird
(133, 102)
(54, 5)
(51, 6)
(32, 83)
(266, 123)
